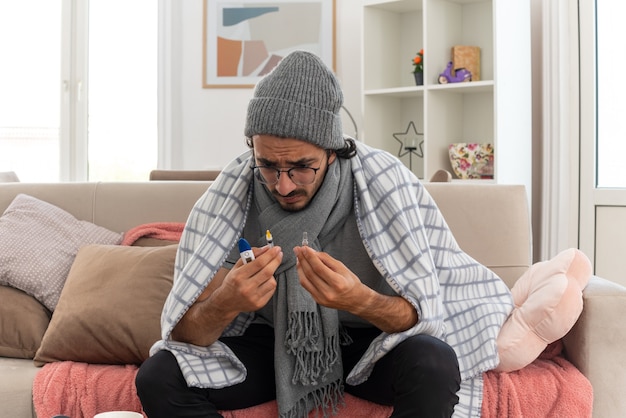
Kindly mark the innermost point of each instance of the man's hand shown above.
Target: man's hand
(244, 288)
(333, 285)
(248, 287)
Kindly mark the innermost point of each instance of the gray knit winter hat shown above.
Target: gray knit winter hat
(300, 98)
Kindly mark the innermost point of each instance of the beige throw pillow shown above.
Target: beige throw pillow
(23, 321)
(110, 309)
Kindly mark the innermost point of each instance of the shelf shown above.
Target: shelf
(396, 6)
(474, 181)
(470, 87)
(456, 88)
(492, 109)
(399, 92)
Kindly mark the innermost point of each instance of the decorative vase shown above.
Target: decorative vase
(419, 79)
(471, 160)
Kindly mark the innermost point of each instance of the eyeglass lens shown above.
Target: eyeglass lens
(299, 175)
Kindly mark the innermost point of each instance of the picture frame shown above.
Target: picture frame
(244, 40)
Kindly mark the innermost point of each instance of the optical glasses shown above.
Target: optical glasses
(301, 176)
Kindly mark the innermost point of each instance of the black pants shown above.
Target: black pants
(419, 378)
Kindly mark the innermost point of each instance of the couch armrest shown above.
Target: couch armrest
(596, 343)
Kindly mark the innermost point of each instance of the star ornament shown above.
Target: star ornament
(410, 141)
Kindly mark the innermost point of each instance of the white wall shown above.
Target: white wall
(207, 124)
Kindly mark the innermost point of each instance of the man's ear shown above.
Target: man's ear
(332, 156)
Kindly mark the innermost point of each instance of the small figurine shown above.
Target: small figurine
(451, 76)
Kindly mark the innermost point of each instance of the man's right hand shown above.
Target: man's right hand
(248, 287)
(244, 288)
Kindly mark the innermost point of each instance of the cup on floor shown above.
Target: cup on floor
(118, 414)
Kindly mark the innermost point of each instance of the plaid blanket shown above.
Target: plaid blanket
(457, 299)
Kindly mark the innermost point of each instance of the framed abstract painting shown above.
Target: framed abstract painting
(243, 40)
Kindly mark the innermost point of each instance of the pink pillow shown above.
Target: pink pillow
(548, 301)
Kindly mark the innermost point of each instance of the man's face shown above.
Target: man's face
(286, 153)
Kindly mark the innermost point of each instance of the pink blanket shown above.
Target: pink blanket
(83, 390)
(170, 231)
(549, 387)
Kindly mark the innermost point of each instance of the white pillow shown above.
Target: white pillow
(38, 243)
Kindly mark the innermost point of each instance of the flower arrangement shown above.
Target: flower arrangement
(418, 62)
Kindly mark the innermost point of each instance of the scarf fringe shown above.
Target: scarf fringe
(344, 338)
(314, 359)
(303, 330)
(325, 399)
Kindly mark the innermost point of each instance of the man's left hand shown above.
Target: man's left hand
(335, 286)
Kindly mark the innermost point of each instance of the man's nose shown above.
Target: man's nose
(285, 185)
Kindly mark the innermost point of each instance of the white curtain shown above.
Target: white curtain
(559, 199)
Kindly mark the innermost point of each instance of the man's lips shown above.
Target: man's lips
(290, 198)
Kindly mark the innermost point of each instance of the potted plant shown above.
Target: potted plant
(418, 67)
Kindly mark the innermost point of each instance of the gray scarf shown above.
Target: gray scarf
(309, 372)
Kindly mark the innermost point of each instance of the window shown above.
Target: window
(78, 89)
(611, 94)
(602, 94)
(30, 47)
(122, 89)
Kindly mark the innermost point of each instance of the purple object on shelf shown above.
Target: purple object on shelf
(459, 76)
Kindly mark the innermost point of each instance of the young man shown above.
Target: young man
(380, 302)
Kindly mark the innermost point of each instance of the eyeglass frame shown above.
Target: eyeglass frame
(259, 176)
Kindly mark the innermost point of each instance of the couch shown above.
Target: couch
(181, 175)
(490, 222)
